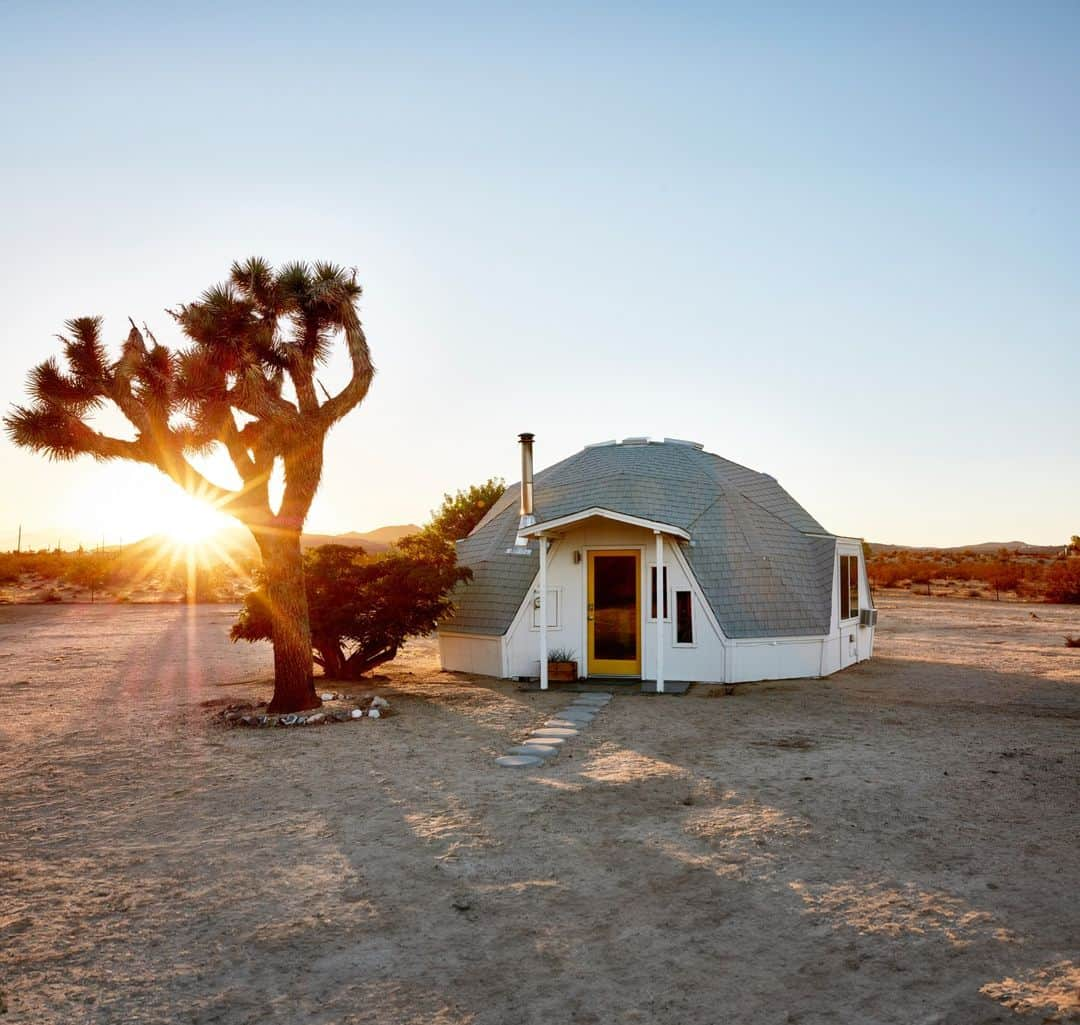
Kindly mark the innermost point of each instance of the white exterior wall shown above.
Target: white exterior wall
(711, 658)
(848, 642)
(568, 584)
(776, 658)
(471, 653)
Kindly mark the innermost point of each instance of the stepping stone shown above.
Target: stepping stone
(567, 724)
(580, 714)
(555, 731)
(518, 761)
(535, 751)
(592, 699)
(555, 742)
(589, 706)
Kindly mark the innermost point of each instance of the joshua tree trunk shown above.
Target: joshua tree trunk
(294, 687)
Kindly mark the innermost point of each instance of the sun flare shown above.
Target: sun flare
(190, 522)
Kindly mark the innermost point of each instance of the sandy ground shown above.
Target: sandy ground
(895, 844)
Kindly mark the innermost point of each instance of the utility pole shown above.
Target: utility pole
(18, 546)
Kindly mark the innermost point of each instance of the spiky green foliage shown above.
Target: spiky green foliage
(245, 339)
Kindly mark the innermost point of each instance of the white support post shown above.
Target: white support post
(543, 614)
(661, 595)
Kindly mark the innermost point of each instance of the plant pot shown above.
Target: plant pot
(562, 672)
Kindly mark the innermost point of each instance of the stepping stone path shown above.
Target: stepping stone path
(577, 714)
(545, 743)
(536, 750)
(518, 761)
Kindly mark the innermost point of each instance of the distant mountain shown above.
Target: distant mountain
(983, 548)
(373, 541)
(239, 542)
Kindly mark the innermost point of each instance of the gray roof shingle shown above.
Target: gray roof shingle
(753, 550)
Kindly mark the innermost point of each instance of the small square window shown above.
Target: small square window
(552, 609)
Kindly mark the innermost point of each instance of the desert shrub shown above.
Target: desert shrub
(363, 609)
(1063, 582)
(89, 571)
(1003, 576)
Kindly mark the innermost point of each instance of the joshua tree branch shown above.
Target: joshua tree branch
(363, 370)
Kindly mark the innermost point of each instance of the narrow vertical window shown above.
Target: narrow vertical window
(849, 586)
(652, 601)
(853, 585)
(684, 618)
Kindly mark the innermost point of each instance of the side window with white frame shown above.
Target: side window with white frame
(652, 594)
(684, 618)
(849, 586)
(554, 608)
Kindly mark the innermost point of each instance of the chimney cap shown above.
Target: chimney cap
(527, 436)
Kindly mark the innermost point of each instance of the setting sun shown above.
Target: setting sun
(189, 521)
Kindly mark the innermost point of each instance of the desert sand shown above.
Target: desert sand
(897, 843)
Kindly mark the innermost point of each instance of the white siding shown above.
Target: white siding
(711, 658)
(469, 653)
(704, 660)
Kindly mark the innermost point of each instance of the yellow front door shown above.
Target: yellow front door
(614, 613)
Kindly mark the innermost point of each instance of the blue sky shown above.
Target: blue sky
(840, 245)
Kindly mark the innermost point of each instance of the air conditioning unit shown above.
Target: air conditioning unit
(868, 617)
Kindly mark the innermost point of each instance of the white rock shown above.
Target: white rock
(377, 702)
(374, 713)
(327, 696)
(357, 713)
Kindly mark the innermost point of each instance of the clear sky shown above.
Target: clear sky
(837, 243)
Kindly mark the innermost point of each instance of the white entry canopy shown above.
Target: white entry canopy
(547, 526)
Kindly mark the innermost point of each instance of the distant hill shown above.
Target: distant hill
(238, 539)
(983, 548)
(377, 540)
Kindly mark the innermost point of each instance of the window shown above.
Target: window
(684, 618)
(849, 586)
(553, 610)
(652, 600)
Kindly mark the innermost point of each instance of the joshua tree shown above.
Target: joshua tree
(245, 381)
(363, 609)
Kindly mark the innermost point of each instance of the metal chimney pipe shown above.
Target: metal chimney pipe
(527, 517)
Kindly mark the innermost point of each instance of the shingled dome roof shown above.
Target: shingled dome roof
(763, 562)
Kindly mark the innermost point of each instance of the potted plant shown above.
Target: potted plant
(562, 665)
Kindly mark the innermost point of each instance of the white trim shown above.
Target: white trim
(608, 514)
(461, 633)
(543, 613)
(675, 642)
(659, 610)
(666, 602)
(642, 621)
(534, 619)
(752, 642)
